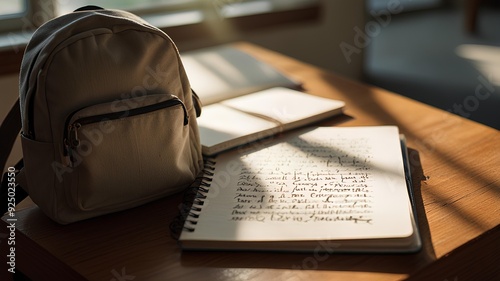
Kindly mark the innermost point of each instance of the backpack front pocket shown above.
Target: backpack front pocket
(119, 152)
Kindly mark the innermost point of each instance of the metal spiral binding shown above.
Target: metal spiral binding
(193, 201)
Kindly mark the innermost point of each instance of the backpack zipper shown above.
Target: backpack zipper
(71, 140)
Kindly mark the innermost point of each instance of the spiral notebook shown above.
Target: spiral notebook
(323, 189)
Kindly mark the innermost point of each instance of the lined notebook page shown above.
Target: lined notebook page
(326, 183)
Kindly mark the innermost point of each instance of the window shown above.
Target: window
(11, 7)
(141, 7)
(35, 12)
(182, 19)
(11, 12)
(409, 5)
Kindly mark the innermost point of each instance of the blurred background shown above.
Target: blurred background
(442, 52)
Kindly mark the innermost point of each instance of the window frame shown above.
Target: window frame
(11, 55)
(36, 13)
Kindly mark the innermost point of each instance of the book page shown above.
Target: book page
(284, 105)
(244, 119)
(327, 183)
(219, 123)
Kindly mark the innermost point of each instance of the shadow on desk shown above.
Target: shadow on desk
(389, 263)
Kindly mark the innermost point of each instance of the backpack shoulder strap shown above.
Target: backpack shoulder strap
(9, 130)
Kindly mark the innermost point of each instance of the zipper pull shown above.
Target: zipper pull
(73, 135)
(70, 143)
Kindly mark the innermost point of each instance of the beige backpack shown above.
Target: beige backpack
(108, 116)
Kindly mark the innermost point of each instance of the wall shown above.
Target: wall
(315, 42)
(319, 44)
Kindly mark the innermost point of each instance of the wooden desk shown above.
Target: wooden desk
(456, 176)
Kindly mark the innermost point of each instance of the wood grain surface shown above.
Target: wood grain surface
(455, 167)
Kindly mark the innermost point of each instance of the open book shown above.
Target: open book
(224, 72)
(325, 189)
(244, 119)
